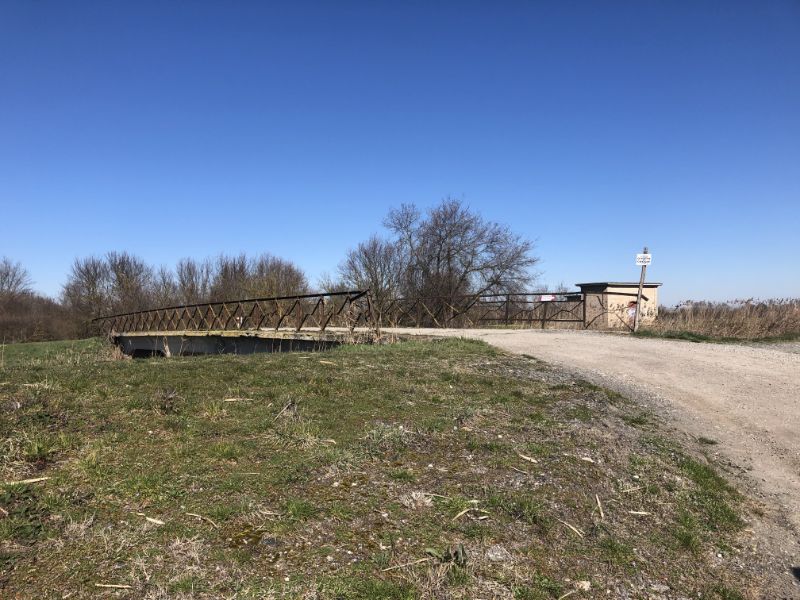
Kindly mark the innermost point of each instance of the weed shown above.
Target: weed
(712, 494)
(688, 540)
(458, 576)
(521, 506)
(455, 555)
(299, 510)
(475, 531)
(615, 552)
(725, 593)
(188, 584)
(404, 475)
(25, 515)
(225, 451)
(385, 438)
(637, 420)
(166, 401)
(540, 588)
(356, 588)
(704, 476)
(581, 413)
(490, 446)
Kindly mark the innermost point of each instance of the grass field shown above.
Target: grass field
(416, 470)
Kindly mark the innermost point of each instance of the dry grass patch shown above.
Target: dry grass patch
(749, 319)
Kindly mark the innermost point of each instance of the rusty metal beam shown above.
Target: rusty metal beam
(337, 309)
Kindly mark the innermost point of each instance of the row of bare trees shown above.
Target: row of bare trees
(24, 314)
(122, 282)
(443, 254)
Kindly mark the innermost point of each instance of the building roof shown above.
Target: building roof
(617, 284)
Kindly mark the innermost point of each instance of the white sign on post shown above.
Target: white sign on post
(643, 259)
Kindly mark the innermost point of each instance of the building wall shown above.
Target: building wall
(596, 315)
(617, 306)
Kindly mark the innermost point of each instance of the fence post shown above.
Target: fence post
(508, 307)
(531, 310)
(584, 310)
(374, 317)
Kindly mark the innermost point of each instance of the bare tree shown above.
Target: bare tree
(266, 275)
(96, 286)
(165, 288)
(193, 280)
(230, 278)
(14, 278)
(87, 292)
(453, 251)
(378, 265)
(448, 253)
(332, 283)
(132, 282)
(273, 276)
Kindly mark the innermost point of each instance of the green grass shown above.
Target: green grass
(521, 506)
(540, 588)
(61, 352)
(298, 510)
(711, 496)
(616, 552)
(688, 336)
(640, 420)
(357, 588)
(356, 479)
(723, 592)
(691, 336)
(687, 534)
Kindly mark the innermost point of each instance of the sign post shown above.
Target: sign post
(642, 259)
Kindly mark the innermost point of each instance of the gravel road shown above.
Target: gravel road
(745, 397)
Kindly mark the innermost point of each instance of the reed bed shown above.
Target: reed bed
(742, 319)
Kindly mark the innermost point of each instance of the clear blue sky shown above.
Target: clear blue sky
(185, 128)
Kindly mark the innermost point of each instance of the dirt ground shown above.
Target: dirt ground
(746, 398)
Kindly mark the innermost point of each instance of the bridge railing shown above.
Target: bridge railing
(481, 310)
(351, 309)
(348, 309)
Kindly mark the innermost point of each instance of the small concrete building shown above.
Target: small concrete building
(610, 304)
